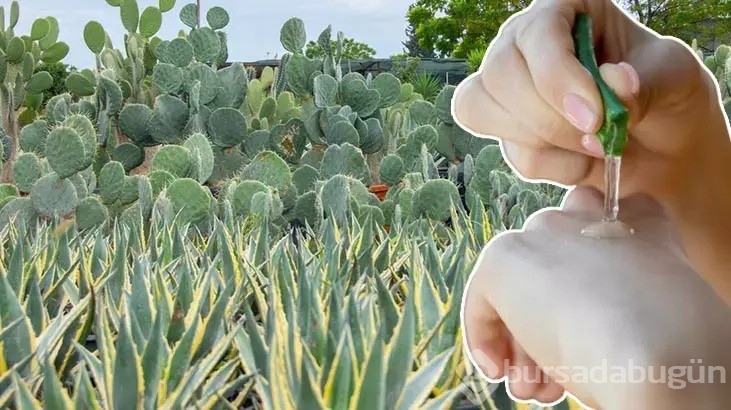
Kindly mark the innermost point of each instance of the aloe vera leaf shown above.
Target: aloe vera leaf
(613, 132)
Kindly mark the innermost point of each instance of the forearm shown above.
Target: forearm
(702, 210)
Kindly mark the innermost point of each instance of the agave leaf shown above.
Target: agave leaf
(444, 401)
(54, 396)
(138, 338)
(372, 382)
(34, 306)
(194, 378)
(334, 327)
(214, 324)
(258, 348)
(15, 266)
(153, 360)
(104, 375)
(128, 383)
(24, 399)
(390, 318)
(140, 299)
(84, 396)
(356, 331)
(118, 271)
(419, 386)
(20, 342)
(309, 394)
(242, 384)
(278, 376)
(229, 265)
(401, 353)
(163, 300)
(60, 327)
(99, 257)
(6, 397)
(219, 377)
(7, 331)
(429, 307)
(181, 357)
(5, 377)
(340, 383)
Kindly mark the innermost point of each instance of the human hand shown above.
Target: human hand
(548, 297)
(678, 149)
(529, 89)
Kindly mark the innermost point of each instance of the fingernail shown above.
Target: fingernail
(577, 109)
(633, 76)
(592, 145)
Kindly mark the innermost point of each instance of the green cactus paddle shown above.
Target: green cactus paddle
(613, 132)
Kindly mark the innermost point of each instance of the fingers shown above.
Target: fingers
(540, 101)
(552, 164)
(477, 111)
(487, 339)
(491, 346)
(584, 200)
(527, 381)
(558, 77)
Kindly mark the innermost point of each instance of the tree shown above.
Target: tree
(352, 50)
(705, 20)
(412, 46)
(453, 28)
(59, 71)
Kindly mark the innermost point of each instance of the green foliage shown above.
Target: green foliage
(351, 49)
(474, 60)
(454, 28)
(404, 67)
(426, 85)
(59, 72)
(707, 21)
(199, 220)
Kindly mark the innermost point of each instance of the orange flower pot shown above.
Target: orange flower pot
(379, 190)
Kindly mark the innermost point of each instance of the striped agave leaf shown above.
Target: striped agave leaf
(344, 316)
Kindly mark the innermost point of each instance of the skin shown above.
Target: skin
(648, 305)
(662, 297)
(678, 150)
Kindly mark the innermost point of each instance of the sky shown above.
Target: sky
(252, 32)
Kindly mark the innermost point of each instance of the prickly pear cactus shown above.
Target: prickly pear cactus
(21, 87)
(190, 201)
(718, 64)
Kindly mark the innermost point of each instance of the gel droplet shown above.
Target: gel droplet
(608, 230)
(610, 226)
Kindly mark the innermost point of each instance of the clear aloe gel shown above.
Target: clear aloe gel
(612, 135)
(610, 226)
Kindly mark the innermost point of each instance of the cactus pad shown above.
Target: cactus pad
(111, 181)
(53, 197)
(190, 201)
(270, 169)
(90, 213)
(227, 127)
(175, 159)
(65, 151)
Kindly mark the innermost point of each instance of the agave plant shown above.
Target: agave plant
(427, 85)
(347, 316)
